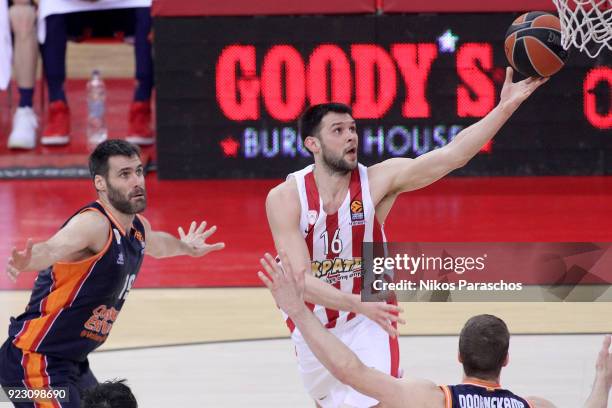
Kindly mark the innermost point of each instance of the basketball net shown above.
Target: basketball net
(586, 24)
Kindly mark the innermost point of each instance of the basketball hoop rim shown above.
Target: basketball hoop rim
(586, 25)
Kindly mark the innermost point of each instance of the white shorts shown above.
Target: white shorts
(372, 345)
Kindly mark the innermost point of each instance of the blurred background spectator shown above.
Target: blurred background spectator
(60, 20)
(22, 17)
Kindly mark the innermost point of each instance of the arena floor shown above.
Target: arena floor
(262, 373)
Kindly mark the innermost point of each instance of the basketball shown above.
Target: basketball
(533, 44)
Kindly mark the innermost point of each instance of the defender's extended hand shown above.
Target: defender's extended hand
(195, 240)
(603, 366)
(19, 260)
(286, 285)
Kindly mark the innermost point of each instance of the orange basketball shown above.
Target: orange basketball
(533, 44)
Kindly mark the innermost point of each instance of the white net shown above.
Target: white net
(586, 24)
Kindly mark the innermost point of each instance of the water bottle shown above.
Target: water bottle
(96, 100)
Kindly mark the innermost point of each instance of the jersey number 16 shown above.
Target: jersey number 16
(336, 243)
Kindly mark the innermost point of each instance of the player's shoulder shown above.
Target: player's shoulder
(381, 176)
(287, 190)
(283, 201)
(538, 402)
(91, 219)
(423, 393)
(89, 227)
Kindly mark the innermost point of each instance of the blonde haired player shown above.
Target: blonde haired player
(322, 214)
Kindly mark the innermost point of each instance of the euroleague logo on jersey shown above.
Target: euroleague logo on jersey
(357, 216)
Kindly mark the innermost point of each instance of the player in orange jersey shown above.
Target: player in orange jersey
(86, 271)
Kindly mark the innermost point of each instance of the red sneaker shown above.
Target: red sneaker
(57, 125)
(140, 132)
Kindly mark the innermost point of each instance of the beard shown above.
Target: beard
(337, 164)
(125, 204)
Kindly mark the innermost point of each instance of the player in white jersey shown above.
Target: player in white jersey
(321, 215)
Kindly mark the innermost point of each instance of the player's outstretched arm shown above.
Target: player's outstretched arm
(283, 211)
(85, 234)
(601, 386)
(287, 288)
(603, 377)
(193, 243)
(398, 175)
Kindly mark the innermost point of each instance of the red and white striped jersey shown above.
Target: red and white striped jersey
(335, 240)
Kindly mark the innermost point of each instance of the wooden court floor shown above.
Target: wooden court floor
(154, 317)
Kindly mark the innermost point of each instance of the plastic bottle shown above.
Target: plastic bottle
(96, 107)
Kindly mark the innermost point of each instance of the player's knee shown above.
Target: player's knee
(23, 20)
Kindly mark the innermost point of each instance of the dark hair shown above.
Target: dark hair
(312, 116)
(483, 346)
(98, 159)
(111, 394)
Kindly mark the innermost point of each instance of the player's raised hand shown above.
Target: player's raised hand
(603, 366)
(514, 93)
(19, 260)
(383, 314)
(195, 240)
(285, 284)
